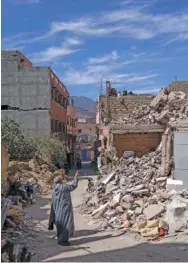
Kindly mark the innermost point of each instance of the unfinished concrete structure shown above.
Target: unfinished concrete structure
(32, 96)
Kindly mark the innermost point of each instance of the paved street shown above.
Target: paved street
(91, 245)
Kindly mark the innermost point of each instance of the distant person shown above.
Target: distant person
(79, 163)
(62, 211)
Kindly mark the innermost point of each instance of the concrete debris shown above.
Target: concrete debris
(134, 191)
(153, 211)
(25, 180)
(166, 108)
(40, 175)
(131, 192)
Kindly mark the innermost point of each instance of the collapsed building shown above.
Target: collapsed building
(141, 150)
(142, 122)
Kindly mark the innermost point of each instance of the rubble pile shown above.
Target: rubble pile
(164, 108)
(108, 160)
(14, 222)
(40, 175)
(131, 195)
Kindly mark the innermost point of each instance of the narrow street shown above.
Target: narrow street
(91, 245)
(88, 169)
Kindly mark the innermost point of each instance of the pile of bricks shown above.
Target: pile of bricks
(132, 190)
(132, 195)
(165, 108)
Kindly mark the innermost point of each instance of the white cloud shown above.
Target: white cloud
(92, 74)
(148, 90)
(52, 53)
(113, 56)
(22, 39)
(133, 20)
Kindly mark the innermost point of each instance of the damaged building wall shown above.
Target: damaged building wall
(178, 86)
(25, 93)
(30, 121)
(139, 142)
(120, 107)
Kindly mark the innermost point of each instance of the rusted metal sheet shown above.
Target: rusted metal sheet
(4, 163)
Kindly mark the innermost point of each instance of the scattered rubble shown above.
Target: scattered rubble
(21, 175)
(166, 107)
(131, 192)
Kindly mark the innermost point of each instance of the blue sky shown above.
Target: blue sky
(139, 45)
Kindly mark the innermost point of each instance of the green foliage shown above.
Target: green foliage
(22, 146)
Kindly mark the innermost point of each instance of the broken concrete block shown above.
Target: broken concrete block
(117, 198)
(139, 202)
(125, 205)
(161, 179)
(128, 198)
(159, 99)
(110, 176)
(136, 188)
(164, 117)
(153, 210)
(138, 211)
(110, 213)
(141, 192)
(101, 209)
(119, 209)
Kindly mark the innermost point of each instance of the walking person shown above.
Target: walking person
(62, 210)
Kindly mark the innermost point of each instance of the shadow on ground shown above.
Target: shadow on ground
(52, 252)
(140, 253)
(47, 243)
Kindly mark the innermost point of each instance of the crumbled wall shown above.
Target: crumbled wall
(141, 143)
(121, 107)
(178, 86)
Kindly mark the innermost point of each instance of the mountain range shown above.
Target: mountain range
(85, 107)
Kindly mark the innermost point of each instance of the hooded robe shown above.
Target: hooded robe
(62, 210)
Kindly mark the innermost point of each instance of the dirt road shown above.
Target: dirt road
(91, 245)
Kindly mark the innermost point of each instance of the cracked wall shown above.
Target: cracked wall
(27, 90)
